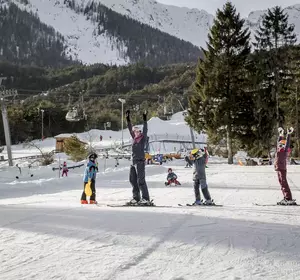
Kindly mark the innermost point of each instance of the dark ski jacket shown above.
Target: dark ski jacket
(171, 176)
(199, 167)
(138, 147)
(281, 156)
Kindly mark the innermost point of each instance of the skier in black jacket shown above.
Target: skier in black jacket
(137, 169)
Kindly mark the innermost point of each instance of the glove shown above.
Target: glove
(290, 130)
(127, 114)
(281, 131)
(145, 116)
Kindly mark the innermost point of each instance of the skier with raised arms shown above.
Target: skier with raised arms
(280, 165)
(137, 169)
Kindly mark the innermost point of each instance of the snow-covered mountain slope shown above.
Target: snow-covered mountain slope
(81, 31)
(191, 25)
(293, 12)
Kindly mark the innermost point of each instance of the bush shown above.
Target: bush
(75, 149)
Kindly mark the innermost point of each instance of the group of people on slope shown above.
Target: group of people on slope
(140, 193)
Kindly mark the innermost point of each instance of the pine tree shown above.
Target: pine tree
(222, 103)
(273, 37)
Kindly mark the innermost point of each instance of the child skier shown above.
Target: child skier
(65, 170)
(280, 166)
(171, 178)
(199, 177)
(90, 177)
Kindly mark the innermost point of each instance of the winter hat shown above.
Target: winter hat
(92, 156)
(170, 169)
(136, 128)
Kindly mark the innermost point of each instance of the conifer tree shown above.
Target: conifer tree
(273, 37)
(222, 104)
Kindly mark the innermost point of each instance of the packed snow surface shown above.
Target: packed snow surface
(46, 233)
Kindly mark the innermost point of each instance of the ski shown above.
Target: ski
(275, 204)
(138, 205)
(201, 205)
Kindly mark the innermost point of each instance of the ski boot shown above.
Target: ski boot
(209, 202)
(287, 202)
(93, 202)
(132, 202)
(198, 202)
(145, 202)
(84, 202)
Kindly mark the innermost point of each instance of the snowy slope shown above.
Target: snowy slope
(77, 30)
(175, 129)
(191, 25)
(293, 12)
(46, 234)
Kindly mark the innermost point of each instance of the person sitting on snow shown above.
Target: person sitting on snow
(171, 178)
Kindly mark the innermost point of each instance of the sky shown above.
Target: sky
(244, 7)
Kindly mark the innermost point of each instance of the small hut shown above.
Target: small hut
(60, 142)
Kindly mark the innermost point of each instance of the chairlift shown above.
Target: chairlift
(76, 113)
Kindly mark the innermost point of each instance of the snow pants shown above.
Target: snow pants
(204, 189)
(173, 181)
(93, 196)
(65, 172)
(286, 191)
(138, 181)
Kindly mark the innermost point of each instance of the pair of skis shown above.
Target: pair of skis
(164, 206)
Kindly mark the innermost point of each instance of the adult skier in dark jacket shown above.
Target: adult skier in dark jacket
(137, 169)
(280, 166)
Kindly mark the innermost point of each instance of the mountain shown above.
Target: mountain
(92, 32)
(122, 31)
(191, 25)
(25, 39)
(254, 18)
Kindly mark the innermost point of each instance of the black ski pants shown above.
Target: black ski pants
(93, 196)
(138, 181)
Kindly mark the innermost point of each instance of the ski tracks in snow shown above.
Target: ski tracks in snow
(137, 259)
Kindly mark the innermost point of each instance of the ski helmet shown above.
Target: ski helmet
(93, 156)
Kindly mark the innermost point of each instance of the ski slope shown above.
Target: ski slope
(175, 128)
(46, 234)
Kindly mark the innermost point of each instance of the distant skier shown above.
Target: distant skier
(171, 178)
(280, 166)
(65, 170)
(199, 177)
(189, 163)
(90, 177)
(137, 169)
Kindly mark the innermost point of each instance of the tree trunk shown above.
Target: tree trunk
(229, 145)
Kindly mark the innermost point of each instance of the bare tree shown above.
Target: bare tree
(45, 158)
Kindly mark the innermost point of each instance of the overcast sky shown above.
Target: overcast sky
(243, 6)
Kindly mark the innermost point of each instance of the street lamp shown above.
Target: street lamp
(185, 113)
(123, 102)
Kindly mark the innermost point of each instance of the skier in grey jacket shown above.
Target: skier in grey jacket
(137, 169)
(199, 177)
